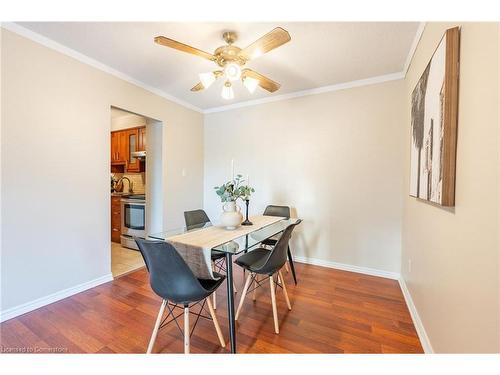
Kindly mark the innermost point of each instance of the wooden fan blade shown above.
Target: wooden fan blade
(183, 47)
(197, 87)
(264, 82)
(268, 42)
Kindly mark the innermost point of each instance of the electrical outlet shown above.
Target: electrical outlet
(183, 172)
(409, 265)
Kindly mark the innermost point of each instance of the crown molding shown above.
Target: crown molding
(47, 42)
(317, 90)
(413, 47)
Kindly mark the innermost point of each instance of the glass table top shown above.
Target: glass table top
(237, 245)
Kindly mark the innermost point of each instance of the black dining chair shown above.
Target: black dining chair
(172, 280)
(263, 262)
(198, 219)
(282, 211)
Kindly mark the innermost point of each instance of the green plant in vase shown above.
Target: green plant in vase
(229, 193)
(233, 190)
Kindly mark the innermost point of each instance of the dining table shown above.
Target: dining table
(231, 243)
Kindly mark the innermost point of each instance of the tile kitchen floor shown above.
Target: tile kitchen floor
(124, 260)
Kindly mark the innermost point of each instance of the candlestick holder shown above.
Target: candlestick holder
(247, 222)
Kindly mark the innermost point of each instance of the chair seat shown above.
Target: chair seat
(253, 260)
(211, 285)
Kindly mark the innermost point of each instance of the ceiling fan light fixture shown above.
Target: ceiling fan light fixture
(227, 91)
(207, 79)
(232, 71)
(250, 83)
(231, 61)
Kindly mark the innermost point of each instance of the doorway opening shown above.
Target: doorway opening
(136, 169)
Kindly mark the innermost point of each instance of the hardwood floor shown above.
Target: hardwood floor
(333, 311)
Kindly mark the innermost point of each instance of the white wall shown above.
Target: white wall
(498, 230)
(128, 121)
(455, 252)
(155, 176)
(55, 159)
(1, 127)
(336, 158)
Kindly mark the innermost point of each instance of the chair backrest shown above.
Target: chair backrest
(278, 255)
(169, 275)
(283, 211)
(195, 219)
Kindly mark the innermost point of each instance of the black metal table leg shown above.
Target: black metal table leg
(230, 301)
(292, 267)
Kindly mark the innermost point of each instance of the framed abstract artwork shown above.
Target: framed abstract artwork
(434, 116)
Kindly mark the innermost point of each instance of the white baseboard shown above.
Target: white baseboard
(51, 298)
(348, 267)
(422, 334)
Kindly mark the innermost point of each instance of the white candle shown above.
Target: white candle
(248, 180)
(232, 169)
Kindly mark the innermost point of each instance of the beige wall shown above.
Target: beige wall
(55, 167)
(1, 126)
(498, 230)
(454, 252)
(336, 158)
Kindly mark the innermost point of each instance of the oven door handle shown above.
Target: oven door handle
(134, 201)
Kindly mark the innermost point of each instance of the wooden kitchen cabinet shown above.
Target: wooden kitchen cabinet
(122, 147)
(133, 164)
(142, 139)
(119, 147)
(114, 146)
(116, 217)
(123, 144)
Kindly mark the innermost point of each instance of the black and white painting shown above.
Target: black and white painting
(427, 125)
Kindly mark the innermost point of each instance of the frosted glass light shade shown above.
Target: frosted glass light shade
(232, 71)
(251, 84)
(207, 79)
(227, 91)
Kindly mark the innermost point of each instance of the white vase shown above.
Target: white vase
(231, 216)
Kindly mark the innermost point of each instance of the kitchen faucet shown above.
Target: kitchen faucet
(130, 184)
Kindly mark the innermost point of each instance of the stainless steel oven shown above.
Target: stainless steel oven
(133, 219)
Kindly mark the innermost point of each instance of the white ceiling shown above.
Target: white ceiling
(319, 54)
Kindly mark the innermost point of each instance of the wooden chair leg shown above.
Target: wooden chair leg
(284, 290)
(186, 330)
(254, 297)
(216, 323)
(273, 300)
(243, 294)
(286, 268)
(157, 326)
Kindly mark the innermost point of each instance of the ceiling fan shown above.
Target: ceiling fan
(232, 60)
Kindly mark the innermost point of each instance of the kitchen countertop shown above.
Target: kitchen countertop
(119, 194)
